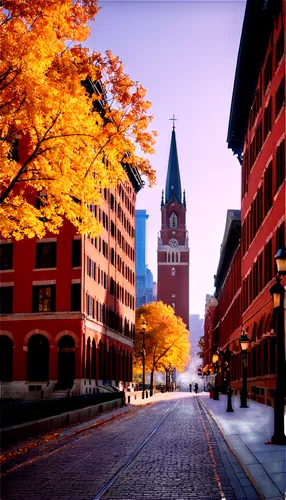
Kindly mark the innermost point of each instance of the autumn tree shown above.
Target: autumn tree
(79, 118)
(166, 339)
(201, 345)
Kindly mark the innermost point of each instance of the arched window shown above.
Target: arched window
(173, 271)
(38, 358)
(173, 221)
(6, 358)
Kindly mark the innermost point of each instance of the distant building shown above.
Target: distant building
(173, 244)
(140, 245)
(144, 277)
(149, 286)
(223, 313)
(154, 290)
(196, 362)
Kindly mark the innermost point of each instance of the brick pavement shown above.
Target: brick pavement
(184, 459)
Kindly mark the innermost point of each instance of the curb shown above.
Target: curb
(232, 450)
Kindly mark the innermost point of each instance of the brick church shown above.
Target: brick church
(173, 244)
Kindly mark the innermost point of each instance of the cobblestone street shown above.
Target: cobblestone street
(185, 458)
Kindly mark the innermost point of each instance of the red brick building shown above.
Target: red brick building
(257, 136)
(173, 243)
(68, 303)
(223, 310)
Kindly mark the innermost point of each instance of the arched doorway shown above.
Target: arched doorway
(87, 375)
(6, 358)
(66, 362)
(93, 360)
(38, 359)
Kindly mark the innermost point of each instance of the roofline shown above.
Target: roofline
(256, 30)
(233, 221)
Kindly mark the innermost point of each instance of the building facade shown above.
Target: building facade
(256, 135)
(195, 364)
(68, 304)
(140, 238)
(173, 242)
(224, 325)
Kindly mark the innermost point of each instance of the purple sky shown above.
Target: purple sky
(184, 53)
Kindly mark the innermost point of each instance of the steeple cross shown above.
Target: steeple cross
(174, 120)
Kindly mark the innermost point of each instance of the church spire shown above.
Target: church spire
(173, 182)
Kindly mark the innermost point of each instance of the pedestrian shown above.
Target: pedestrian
(190, 385)
(196, 388)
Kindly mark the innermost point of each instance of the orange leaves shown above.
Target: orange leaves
(166, 337)
(71, 109)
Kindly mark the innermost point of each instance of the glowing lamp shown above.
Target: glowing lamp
(244, 341)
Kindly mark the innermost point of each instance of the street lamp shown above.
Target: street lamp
(143, 326)
(277, 291)
(215, 361)
(244, 343)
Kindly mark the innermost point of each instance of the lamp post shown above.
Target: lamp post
(244, 343)
(277, 291)
(215, 361)
(143, 325)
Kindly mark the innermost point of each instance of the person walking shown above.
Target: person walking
(190, 386)
(196, 388)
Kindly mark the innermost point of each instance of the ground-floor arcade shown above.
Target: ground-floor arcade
(53, 357)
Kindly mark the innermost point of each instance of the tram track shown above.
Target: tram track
(106, 487)
(126, 462)
(207, 430)
(44, 449)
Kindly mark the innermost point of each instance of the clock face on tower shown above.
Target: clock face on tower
(173, 242)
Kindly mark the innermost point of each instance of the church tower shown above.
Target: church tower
(173, 244)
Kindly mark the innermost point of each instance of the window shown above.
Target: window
(173, 220)
(44, 298)
(111, 201)
(76, 253)
(6, 256)
(112, 228)
(90, 305)
(112, 286)
(6, 300)
(268, 195)
(46, 255)
(173, 271)
(75, 296)
(280, 237)
(279, 46)
(280, 164)
(280, 97)
(268, 71)
(268, 119)
(268, 264)
(14, 153)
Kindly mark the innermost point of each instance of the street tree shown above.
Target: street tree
(166, 339)
(77, 117)
(201, 345)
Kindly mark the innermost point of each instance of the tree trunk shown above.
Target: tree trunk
(151, 382)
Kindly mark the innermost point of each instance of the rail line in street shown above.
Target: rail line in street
(106, 487)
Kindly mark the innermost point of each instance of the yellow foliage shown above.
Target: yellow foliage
(166, 338)
(76, 137)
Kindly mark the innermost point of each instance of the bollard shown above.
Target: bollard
(229, 394)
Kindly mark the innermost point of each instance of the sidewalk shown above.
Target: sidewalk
(246, 431)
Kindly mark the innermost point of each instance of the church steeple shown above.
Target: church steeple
(173, 182)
